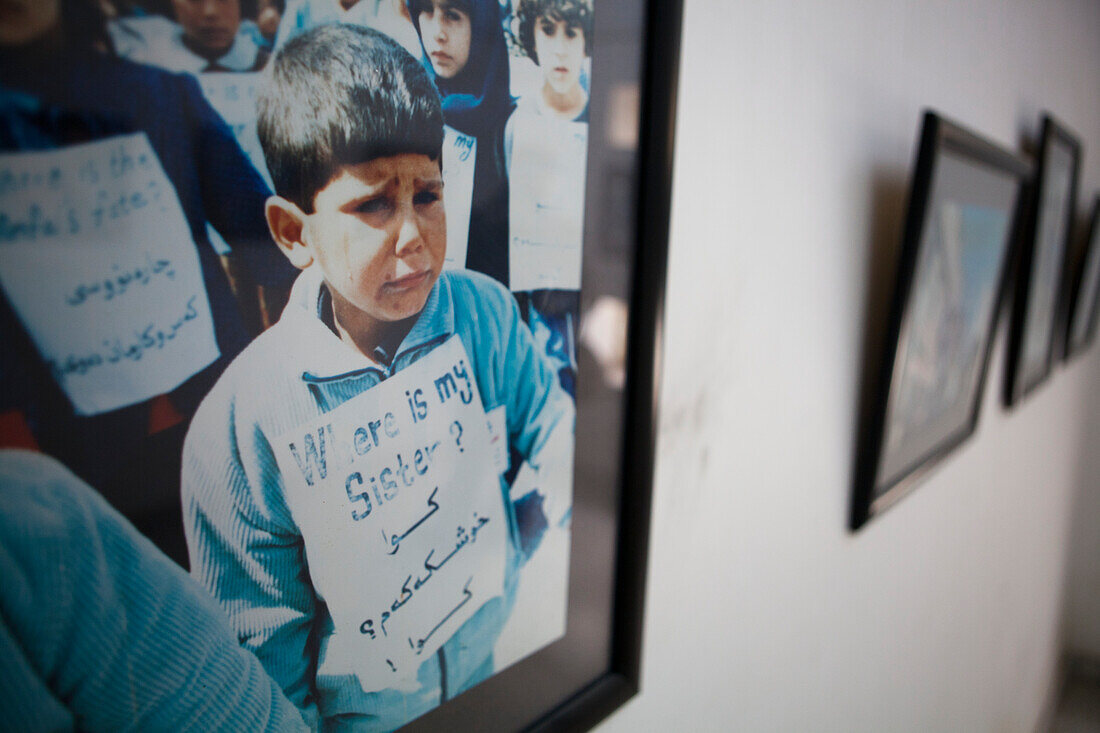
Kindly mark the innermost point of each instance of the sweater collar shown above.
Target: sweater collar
(324, 357)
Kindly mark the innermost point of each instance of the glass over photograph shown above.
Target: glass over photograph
(290, 300)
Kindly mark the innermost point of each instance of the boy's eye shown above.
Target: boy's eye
(548, 29)
(571, 32)
(425, 197)
(452, 15)
(374, 206)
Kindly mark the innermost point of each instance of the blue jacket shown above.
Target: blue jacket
(101, 632)
(243, 540)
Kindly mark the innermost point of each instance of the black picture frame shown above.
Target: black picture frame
(957, 168)
(578, 680)
(1042, 261)
(1081, 315)
(630, 262)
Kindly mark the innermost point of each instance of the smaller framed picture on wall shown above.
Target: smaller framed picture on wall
(1081, 320)
(1036, 306)
(958, 238)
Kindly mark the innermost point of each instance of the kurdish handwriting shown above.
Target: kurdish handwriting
(464, 536)
(151, 338)
(395, 540)
(116, 285)
(466, 596)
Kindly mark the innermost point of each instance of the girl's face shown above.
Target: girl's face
(560, 51)
(22, 21)
(445, 31)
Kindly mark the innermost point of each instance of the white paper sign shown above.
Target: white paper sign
(402, 514)
(546, 202)
(97, 259)
(459, 156)
(233, 96)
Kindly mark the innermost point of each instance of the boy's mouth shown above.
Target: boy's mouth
(410, 281)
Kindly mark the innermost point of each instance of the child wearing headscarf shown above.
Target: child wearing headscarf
(465, 50)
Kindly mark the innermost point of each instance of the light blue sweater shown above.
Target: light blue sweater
(243, 539)
(99, 631)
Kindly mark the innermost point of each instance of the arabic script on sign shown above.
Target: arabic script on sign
(398, 500)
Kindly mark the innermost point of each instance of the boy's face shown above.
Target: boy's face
(445, 31)
(560, 51)
(212, 24)
(379, 234)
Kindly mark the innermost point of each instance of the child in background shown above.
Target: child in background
(387, 16)
(353, 130)
(269, 13)
(556, 35)
(208, 36)
(463, 41)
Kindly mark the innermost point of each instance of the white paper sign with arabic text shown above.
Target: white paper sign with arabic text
(402, 513)
(97, 259)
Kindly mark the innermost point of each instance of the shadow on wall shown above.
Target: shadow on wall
(889, 192)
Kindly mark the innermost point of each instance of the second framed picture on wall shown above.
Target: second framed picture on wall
(958, 239)
(1081, 320)
(1036, 306)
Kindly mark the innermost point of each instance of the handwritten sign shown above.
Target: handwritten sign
(459, 156)
(233, 96)
(546, 202)
(402, 514)
(98, 261)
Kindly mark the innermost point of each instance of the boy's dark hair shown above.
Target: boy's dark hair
(341, 95)
(575, 13)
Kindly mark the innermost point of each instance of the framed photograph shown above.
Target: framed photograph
(1036, 310)
(330, 342)
(958, 239)
(1081, 318)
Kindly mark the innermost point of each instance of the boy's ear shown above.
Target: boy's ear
(287, 221)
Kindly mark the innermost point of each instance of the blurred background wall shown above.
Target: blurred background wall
(797, 129)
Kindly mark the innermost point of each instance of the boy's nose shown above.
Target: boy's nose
(408, 237)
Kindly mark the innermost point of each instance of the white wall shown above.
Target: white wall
(796, 132)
